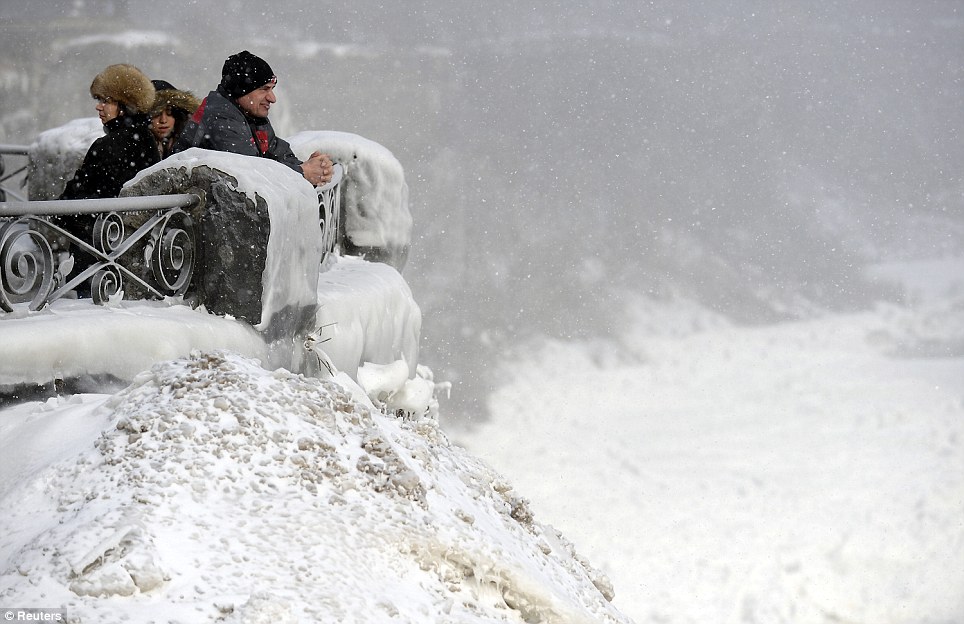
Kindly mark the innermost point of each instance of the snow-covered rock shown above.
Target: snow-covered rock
(376, 217)
(260, 243)
(56, 154)
(212, 490)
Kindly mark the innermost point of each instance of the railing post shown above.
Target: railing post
(8, 187)
(329, 211)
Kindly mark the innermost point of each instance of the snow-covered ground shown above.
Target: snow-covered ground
(804, 472)
(212, 490)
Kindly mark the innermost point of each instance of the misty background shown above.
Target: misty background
(565, 158)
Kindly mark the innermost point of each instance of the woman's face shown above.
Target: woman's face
(162, 124)
(107, 109)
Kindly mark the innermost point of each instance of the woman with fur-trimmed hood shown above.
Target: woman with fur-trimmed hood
(124, 98)
(172, 108)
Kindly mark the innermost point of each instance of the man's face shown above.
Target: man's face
(258, 101)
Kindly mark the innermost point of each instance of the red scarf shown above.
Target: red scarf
(262, 136)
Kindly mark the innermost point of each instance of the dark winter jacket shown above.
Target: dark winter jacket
(220, 124)
(114, 158)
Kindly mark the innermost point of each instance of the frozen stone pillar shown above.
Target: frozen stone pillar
(259, 240)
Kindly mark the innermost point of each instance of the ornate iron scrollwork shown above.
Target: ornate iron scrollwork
(329, 210)
(26, 266)
(170, 254)
(38, 256)
(105, 283)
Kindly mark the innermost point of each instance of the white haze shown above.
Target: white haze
(754, 156)
(579, 169)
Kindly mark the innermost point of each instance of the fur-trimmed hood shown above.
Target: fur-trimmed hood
(175, 99)
(124, 84)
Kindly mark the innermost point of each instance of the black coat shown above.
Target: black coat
(114, 158)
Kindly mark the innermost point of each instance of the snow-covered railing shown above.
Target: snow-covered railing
(38, 253)
(257, 251)
(39, 250)
(13, 181)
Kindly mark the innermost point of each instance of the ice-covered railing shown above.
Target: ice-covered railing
(262, 275)
(329, 211)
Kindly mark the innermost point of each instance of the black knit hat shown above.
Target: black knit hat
(162, 85)
(243, 73)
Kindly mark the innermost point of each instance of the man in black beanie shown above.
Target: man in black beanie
(234, 118)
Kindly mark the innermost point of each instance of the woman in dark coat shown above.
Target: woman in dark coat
(124, 98)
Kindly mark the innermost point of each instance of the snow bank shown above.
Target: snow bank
(218, 491)
(75, 339)
(786, 474)
(56, 155)
(366, 313)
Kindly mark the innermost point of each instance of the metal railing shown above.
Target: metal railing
(13, 181)
(39, 249)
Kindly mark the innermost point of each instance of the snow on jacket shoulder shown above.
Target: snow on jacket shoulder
(219, 124)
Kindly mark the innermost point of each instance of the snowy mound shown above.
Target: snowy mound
(213, 490)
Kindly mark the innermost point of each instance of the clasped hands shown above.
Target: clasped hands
(318, 169)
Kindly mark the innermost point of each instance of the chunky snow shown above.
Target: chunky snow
(214, 490)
